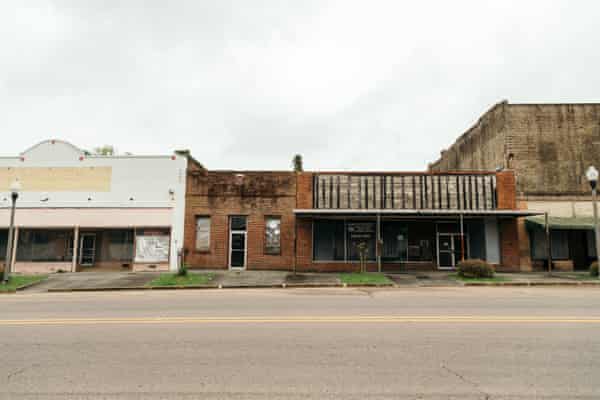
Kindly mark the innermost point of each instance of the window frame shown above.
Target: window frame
(266, 249)
(208, 248)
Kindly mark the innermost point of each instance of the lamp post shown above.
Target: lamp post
(592, 176)
(15, 188)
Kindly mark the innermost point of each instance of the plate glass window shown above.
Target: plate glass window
(203, 233)
(273, 235)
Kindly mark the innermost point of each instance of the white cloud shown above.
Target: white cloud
(363, 85)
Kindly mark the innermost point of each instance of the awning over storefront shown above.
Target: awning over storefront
(317, 212)
(565, 223)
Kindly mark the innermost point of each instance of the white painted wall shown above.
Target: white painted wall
(563, 208)
(492, 240)
(137, 182)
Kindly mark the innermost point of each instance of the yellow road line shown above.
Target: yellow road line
(303, 319)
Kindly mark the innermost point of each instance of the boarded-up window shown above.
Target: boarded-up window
(203, 233)
(273, 235)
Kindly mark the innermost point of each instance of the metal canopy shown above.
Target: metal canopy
(575, 223)
(412, 212)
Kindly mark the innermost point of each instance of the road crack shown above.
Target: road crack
(460, 376)
(18, 372)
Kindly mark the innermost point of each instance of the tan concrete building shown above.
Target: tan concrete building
(549, 147)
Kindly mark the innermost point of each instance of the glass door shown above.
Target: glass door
(446, 255)
(450, 250)
(87, 249)
(237, 242)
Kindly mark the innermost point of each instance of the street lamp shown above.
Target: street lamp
(15, 188)
(592, 176)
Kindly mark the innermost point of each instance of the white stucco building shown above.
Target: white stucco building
(80, 212)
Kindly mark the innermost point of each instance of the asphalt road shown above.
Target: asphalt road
(413, 343)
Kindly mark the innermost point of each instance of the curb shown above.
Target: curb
(272, 286)
(531, 283)
(25, 286)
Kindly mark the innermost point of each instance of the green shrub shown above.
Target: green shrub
(594, 269)
(474, 269)
(183, 270)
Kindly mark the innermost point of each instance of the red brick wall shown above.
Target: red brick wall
(256, 195)
(507, 190)
(509, 245)
(304, 198)
(221, 194)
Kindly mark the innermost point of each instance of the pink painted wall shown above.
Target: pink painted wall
(40, 267)
(89, 217)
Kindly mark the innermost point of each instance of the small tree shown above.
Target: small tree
(297, 163)
(106, 150)
(362, 248)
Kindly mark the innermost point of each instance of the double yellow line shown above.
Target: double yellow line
(305, 319)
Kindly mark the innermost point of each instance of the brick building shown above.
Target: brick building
(313, 221)
(549, 147)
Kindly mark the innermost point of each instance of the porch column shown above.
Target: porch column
(295, 266)
(379, 244)
(462, 238)
(75, 249)
(13, 258)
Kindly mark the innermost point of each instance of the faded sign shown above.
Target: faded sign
(152, 248)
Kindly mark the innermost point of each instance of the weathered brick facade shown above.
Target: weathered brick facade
(548, 146)
(257, 195)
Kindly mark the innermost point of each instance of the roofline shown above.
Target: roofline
(555, 104)
(406, 173)
(412, 212)
(52, 141)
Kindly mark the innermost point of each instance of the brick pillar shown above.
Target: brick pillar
(506, 190)
(509, 245)
(524, 244)
(304, 246)
(303, 227)
(304, 190)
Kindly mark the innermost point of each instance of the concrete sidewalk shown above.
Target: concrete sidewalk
(97, 281)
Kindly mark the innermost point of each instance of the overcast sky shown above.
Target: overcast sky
(370, 85)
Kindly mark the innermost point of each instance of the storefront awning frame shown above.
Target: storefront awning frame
(413, 213)
(560, 223)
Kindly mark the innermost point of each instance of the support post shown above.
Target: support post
(462, 238)
(295, 245)
(596, 228)
(379, 243)
(8, 263)
(13, 260)
(548, 243)
(75, 249)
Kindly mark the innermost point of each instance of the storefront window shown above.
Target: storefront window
(3, 243)
(395, 241)
(273, 235)
(203, 233)
(361, 232)
(328, 240)
(560, 244)
(120, 245)
(44, 245)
